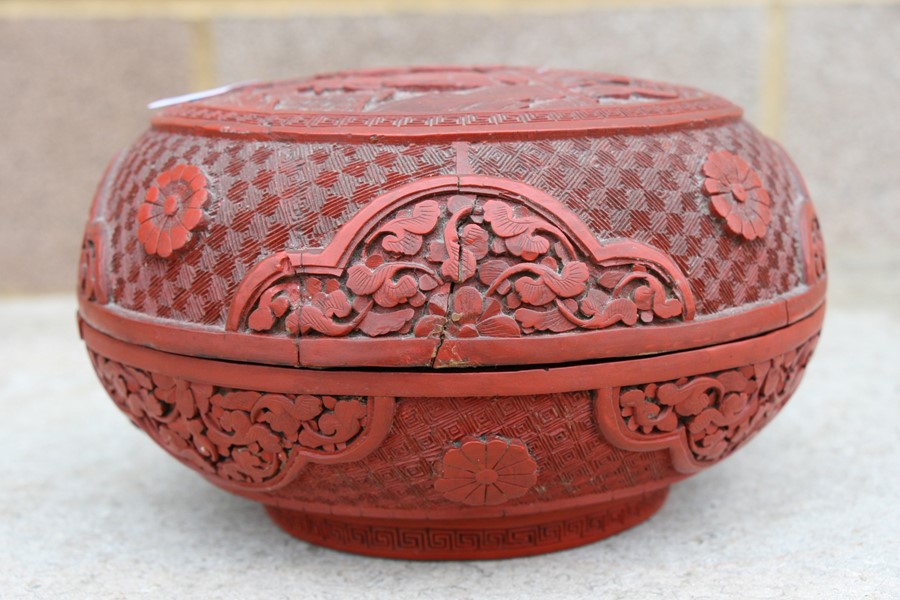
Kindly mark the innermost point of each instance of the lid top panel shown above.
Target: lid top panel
(422, 100)
(449, 90)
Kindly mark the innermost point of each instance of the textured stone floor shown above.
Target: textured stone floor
(89, 507)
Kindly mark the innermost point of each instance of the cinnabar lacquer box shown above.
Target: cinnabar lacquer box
(447, 312)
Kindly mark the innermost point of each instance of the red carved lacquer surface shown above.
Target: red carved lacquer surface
(486, 472)
(433, 102)
(427, 453)
(248, 439)
(273, 197)
(478, 539)
(736, 194)
(702, 419)
(644, 269)
(172, 210)
(496, 261)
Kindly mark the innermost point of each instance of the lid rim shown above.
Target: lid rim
(178, 338)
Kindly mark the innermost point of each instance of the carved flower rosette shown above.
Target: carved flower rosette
(465, 263)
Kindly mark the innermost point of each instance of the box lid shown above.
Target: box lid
(449, 217)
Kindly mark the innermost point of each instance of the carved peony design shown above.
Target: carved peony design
(736, 194)
(490, 472)
(474, 316)
(172, 209)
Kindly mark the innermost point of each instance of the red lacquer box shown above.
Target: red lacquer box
(446, 312)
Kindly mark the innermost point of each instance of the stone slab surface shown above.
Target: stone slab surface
(90, 507)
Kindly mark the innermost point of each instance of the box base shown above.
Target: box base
(470, 539)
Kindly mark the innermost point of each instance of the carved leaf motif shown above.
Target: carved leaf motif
(467, 305)
(437, 304)
(490, 270)
(336, 427)
(734, 381)
(437, 252)
(429, 326)
(692, 397)
(519, 232)
(292, 323)
(528, 246)
(475, 239)
(530, 264)
(549, 285)
(376, 323)
(645, 414)
(261, 319)
(272, 305)
(570, 283)
(504, 223)
(652, 296)
(716, 412)
(610, 278)
(406, 232)
(667, 309)
(377, 283)
(428, 283)
(544, 320)
(313, 319)
(334, 304)
(534, 291)
(460, 266)
(491, 307)
(364, 281)
(283, 415)
(605, 311)
(391, 293)
(499, 326)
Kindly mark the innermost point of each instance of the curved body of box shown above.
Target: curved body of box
(395, 306)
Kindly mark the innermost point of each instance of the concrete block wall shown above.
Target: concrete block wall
(821, 76)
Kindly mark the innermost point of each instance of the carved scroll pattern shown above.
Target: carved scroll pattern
(464, 265)
(249, 439)
(704, 418)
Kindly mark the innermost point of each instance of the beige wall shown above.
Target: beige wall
(821, 76)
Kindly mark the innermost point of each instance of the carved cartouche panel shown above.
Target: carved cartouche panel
(245, 438)
(491, 260)
(703, 418)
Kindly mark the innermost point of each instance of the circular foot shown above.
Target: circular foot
(467, 539)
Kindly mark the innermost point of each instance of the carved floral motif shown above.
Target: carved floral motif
(247, 437)
(464, 265)
(481, 472)
(172, 209)
(736, 194)
(703, 418)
